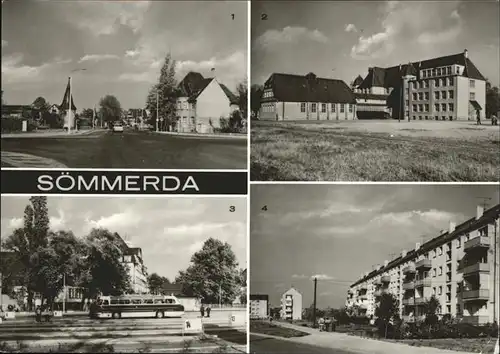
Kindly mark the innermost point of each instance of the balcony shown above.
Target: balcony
(385, 279)
(409, 285)
(476, 268)
(420, 300)
(479, 294)
(422, 283)
(409, 269)
(423, 264)
(409, 302)
(476, 243)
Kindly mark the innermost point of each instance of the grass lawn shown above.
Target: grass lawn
(471, 345)
(374, 151)
(262, 327)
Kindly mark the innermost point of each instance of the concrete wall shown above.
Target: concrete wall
(292, 111)
(212, 102)
(465, 111)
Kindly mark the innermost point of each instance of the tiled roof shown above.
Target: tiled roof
(309, 88)
(391, 77)
(194, 83)
(232, 98)
(357, 81)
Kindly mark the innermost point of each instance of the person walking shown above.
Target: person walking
(208, 310)
(494, 120)
(478, 117)
(202, 310)
(38, 314)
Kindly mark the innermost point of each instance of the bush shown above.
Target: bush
(10, 125)
(233, 124)
(446, 328)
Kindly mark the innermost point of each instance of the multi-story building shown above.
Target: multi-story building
(259, 306)
(137, 271)
(291, 305)
(202, 103)
(460, 267)
(443, 88)
(297, 97)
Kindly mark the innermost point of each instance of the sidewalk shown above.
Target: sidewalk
(21, 160)
(346, 342)
(50, 133)
(207, 135)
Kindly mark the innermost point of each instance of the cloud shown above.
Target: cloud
(116, 221)
(289, 35)
(4, 43)
(57, 223)
(97, 57)
(14, 71)
(311, 277)
(15, 223)
(131, 53)
(350, 28)
(432, 216)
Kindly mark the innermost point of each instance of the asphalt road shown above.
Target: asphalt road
(135, 149)
(270, 345)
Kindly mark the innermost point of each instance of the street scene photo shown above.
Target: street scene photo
(379, 269)
(375, 91)
(114, 274)
(124, 84)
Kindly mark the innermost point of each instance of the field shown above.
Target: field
(374, 151)
(264, 327)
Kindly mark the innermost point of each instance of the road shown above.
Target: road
(134, 149)
(270, 345)
(125, 335)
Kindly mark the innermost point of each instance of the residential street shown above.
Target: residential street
(259, 344)
(124, 335)
(131, 149)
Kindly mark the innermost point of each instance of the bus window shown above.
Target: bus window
(158, 301)
(148, 301)
(169, 301)
(114, 302)
(124, 302)
(137, 302)
(106, 302)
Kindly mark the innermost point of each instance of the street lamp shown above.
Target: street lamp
(70, 99)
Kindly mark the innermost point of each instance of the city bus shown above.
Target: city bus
(127, 306)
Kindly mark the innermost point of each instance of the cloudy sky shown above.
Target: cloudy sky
(342, 39)
(169, 230)
(120, 44)
(338, 232)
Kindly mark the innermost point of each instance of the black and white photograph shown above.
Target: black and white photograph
(116, 274)
(375, 91)
(379, 269)
(124, 84)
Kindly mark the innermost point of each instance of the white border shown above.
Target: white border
(119, 169)
(249, 124)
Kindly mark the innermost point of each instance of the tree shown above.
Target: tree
(151, 104)
(110, 109)
(242, 96)
(167, 94)
(386, 311)
(492, 100)
(87, 113)
(431, 307)
(156, 283)
(40, 104)
(213, 273)
(256, 92)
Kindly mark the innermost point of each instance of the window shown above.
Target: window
(434, 71)
(333, 107)
(426, 95)
(433, 272)
(114, 302)
(105, 302)
(450, 107)
(323, 108)
(420, 107)
(472, 95)
(436, 117)
(136, 301)
(424, 73)
(450, 94)
(436, 82)
(434, 254)
(443, 82)
(414, 108)
(351, 108)
(313, 107)
(303, 107)
(436, 95)
(434, 290)
(158, 301)
(342, 108)
(450, 80)
(407, 103)
(414, 96)
(457, 70)
(426, 108)
(436, 108)
(443, 107)
(472, 83)
(440, 271)
(443, 94)
(420, 96)
(440, 290)
(448, 72)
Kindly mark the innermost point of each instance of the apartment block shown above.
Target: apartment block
(444, 88)
(291, 305)
(460, 267)
(259, 306)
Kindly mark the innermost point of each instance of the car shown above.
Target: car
(118, 127)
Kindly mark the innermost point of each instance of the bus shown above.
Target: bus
(127, 306)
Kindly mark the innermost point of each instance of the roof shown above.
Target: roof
(357, 81)
(390, 77)
(65, 102)
(309, 88)
(194, 83)
(259, 297)
(370, 96)
(476, 105)
(14, 108)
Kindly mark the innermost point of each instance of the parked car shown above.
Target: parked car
(118, 127)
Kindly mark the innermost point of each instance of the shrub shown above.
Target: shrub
(11, 124)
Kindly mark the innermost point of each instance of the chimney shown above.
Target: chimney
(399, 67)
(452, 227)
(403, 253)
(479, 212)
(386, 262)
(417, 246)
(466, 53)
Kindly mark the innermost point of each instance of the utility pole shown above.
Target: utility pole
(69, 108)
(157, 109)
(220, 296)
(314, 302)
(64, 293)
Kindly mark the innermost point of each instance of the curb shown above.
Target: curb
(15, 159)
(57, 134)
(209, 136)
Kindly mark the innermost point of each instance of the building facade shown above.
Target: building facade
(202, 103)
(460, 268)
(259, 306)
(296, 97)
(443, 88)
(291, 305)
(137, 271)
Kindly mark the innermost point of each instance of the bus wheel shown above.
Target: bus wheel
(159, 314)
(116, 315)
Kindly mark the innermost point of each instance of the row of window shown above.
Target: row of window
(184, 105)
(420, 96)
(268, 107)
(267, 94)
(439, 71)
(139, 301)
(443, 107)
(437, 83)
(323, 107)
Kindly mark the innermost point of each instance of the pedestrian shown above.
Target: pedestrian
(208, 310)
(202, 310)
(494, 120)
(478, 117)
(38, 314)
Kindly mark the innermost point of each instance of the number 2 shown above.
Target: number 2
(263, 17)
